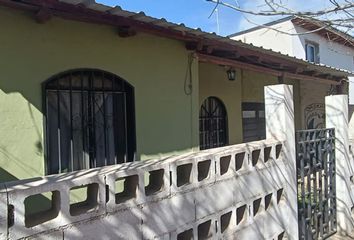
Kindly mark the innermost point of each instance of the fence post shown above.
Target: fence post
(337, 117)
(3, 212)
(279, 110)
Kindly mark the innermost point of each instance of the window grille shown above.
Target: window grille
(213, 124)
(90, 120)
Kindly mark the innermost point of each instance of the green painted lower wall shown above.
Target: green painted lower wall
(166, 120)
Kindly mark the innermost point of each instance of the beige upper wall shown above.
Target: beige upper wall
(166, 120)
(253, 85)
(213, 81)
(248, 87)
(312, 100)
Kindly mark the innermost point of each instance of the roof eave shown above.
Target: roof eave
(97, 13)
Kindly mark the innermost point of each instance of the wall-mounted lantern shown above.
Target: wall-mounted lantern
(231, 74)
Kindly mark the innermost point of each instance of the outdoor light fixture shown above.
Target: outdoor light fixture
(231, 74)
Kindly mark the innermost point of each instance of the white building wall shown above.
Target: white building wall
(271, 39)
(331, 53)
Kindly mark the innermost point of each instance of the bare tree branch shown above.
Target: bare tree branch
(285, 13)
(284, 32)
(337, 18)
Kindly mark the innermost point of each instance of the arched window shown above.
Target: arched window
(90, 120)
(212, 124)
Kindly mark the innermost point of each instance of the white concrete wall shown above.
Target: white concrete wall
(331, 53)
(271, 39)
(280, 118)
(337, 118)
(238, 190)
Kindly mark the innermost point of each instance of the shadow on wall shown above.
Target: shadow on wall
(21, 146)
(351, 121)
(5, 176)
(8, 158)
(33, 203)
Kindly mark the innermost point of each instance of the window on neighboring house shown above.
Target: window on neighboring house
(312, 52)
(90, 121)
(253, 121)
(213, 124)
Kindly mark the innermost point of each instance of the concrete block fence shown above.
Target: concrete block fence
(224, 193)
(244, 191)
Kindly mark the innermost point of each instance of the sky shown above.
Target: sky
(195, 13)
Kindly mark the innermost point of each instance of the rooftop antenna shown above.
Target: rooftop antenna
(217, 21)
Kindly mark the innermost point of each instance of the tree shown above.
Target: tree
(339, 15)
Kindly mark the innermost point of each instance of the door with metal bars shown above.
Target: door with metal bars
(212, 124)
(316, 164)
(89, 120)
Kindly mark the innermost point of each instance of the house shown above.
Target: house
(166, 72)
(308, 40)
(85, 86)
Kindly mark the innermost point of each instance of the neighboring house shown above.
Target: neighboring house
(84, 86)
(329, 47)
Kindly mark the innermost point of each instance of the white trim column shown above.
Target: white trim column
(337, 117)
(280, 124)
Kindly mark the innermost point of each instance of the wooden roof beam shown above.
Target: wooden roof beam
(210, 49)
(324, 75)
(191, 46)
(43, 15)
(126, 31)
(299, 70)
(195, 46)
(257, 59)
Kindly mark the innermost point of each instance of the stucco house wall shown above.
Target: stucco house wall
(166, 117)
(213, 82)
(166, 114)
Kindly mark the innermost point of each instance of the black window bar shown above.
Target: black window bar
(90, 120)
(213, 130)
